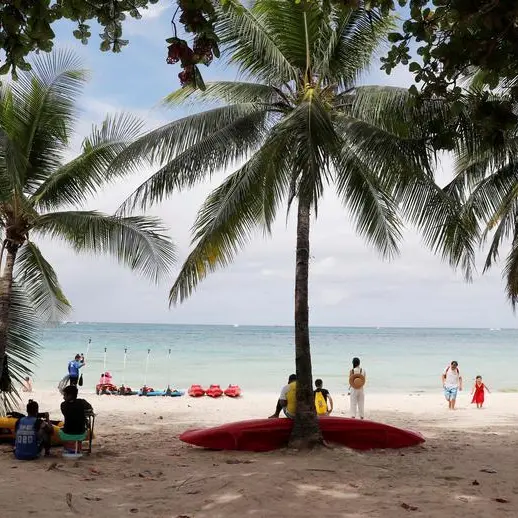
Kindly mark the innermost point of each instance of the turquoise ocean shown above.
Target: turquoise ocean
(261, 358)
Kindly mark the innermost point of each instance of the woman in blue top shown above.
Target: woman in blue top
(73, 368)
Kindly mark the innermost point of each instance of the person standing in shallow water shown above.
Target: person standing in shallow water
(452, 383)
(357, 379)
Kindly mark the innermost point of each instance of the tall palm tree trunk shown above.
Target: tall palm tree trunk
(6, 287)
(306, 432)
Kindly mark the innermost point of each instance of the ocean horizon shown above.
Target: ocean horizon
(260, 358)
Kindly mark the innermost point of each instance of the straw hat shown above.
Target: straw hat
(356, 380)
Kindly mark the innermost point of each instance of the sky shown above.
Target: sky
(350, 285)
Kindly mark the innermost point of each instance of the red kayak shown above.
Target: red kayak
(233, 391)
(196, 391)
(214, 391)
(270, 434)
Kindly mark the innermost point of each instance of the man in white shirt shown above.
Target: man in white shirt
(451, 382)
(281, 403)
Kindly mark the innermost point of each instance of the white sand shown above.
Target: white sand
(139, 467)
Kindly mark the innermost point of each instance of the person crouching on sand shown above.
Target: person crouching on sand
(282, 403)
(452, 383)
(478, 392)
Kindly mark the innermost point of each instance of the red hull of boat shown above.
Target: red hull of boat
(270, 434)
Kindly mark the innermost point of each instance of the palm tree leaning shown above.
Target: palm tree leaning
(481, 202)
(40, 193)
(299, 127)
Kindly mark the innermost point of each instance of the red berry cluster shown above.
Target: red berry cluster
(197, 17)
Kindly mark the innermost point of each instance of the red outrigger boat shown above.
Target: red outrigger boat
(261, 435)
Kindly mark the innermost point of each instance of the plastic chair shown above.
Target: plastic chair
(73, 444)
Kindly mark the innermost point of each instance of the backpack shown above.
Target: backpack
(320, 403)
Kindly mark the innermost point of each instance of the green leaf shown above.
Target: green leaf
(37, 277)
(138, 242)
(22, 344)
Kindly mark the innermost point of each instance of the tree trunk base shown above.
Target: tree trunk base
(307, 443)
(306, 433)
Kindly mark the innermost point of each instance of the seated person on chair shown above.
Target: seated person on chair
(32, 434)
(75, 411)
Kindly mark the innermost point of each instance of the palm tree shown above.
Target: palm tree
(41, 194)
(481, 202)
(298, 126)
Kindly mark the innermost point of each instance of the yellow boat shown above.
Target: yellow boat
(7, 433)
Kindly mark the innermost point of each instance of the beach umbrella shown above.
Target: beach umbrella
(147, 365)
(124, 367)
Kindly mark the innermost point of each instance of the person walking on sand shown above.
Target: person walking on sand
(452, 383)
(357, 379)
(478, 392)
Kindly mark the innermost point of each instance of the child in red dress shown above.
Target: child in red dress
(478, 392)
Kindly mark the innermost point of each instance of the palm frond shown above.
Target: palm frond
(138, 242)
(314, 139)
(246, 37)
(39, 280)
(228, 92)
(212, 148)
(81, 178)
(246, 200)
(511, 269)
(45, 101)
(295, 28)
(349, 44)
(370, 203)
(448, 224)
(22, 344)
(13, 162)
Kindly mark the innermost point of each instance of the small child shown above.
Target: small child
(323, 400)
(478, 392)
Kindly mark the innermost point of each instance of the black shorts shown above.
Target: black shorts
(73, 380)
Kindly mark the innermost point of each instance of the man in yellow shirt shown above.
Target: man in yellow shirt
(282, 401)
(289, 405)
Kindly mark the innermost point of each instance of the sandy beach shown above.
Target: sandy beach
(139, 467)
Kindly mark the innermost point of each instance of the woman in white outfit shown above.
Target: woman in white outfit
(357, 378)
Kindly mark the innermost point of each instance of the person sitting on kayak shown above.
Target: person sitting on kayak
(289, 405)
(323, 400)
(33, 434)
(282, 398)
